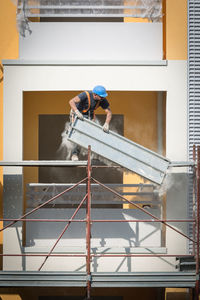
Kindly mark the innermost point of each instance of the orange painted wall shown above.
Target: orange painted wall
(176, 29)
(139, 110)
(140, 120)
(129, 19)
(8, 50)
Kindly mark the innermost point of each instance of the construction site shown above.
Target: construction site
(115, 83)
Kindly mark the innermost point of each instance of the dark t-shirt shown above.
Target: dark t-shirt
(94, 104)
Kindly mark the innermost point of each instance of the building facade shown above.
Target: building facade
(144, 67)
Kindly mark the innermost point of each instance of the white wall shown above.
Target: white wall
(92, 41)
(171, 78)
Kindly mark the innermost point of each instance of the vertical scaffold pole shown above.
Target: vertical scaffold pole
(88, 224)
(194, 199)
(197, 222)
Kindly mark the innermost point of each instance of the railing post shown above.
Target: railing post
(194, 199)
(88, 226)
(197, 222)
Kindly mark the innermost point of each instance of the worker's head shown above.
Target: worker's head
(100, 92)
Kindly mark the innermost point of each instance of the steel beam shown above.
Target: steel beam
(45, 163)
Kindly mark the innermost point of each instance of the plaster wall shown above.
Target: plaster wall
(171, 78)
(79, 41)
(138, 78)
(8, 50)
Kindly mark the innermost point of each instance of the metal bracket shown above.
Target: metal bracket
(89, 277)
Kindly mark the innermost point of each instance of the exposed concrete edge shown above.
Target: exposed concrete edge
(20, 62)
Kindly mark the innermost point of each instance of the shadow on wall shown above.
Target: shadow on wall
(103, 234)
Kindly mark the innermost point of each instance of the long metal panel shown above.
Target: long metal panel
(144, 279)
(163, 276)
(75, 279)
(34, 163)
(144, 284)
(43, 279)
(120, 150)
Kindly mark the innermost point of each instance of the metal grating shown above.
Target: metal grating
(193, 91)
(151, 9)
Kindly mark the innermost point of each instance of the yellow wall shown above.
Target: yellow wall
(8, 50)
(176, 29)
(139, 110)
(177, 293)
(129, 19)
(140, 123)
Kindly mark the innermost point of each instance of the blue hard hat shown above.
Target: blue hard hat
(100, 91)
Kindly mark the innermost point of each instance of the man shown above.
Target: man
(84, 106)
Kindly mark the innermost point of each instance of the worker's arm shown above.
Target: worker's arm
(108, 115)
(108, 119)
(72, 103)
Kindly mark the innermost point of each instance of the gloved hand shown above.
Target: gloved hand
(106, 127)
(79, 114)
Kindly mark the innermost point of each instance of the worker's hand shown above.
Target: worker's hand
(106, 127)
(79, 114)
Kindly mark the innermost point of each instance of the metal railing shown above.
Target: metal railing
(89, 221)
(81, 9)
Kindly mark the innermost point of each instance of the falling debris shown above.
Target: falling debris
(66, 147)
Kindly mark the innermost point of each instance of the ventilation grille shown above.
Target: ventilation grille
(193, 92)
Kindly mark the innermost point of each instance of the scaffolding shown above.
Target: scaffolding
(92, 9)
(151, 9)
(90, 279)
